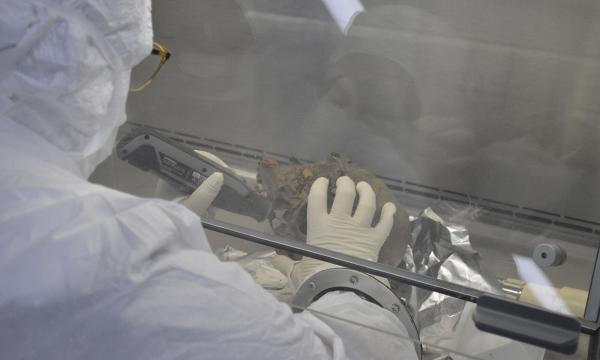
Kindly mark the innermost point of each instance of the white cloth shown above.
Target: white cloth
(65, 67)
(345, 312)
(87, 272)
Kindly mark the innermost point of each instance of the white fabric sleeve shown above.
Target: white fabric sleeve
(367, 330)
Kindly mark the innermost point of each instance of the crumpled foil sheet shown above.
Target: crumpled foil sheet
(441, 249)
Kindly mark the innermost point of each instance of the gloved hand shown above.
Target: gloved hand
(339, 230)
(200, 200)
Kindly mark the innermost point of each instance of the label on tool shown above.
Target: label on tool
(185, 173)
(172, 165)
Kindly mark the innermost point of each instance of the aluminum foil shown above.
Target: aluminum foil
(441, 249)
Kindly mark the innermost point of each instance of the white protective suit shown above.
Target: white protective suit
(87, 272)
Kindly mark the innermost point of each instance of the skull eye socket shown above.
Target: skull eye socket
(302, 226)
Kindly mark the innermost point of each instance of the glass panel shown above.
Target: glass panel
(444, 330)
(477, 117)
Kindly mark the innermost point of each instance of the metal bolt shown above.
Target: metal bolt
(353, 280)
(312, 285)
(395, 308)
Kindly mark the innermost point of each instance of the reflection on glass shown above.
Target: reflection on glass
(451, 331)
(344, 12)
(538, 289)
(479, 121)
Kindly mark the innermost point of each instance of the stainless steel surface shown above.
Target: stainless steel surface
(494, 99)
(348, 279)
(512, 288)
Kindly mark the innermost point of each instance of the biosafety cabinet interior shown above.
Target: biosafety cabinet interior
(479, 117)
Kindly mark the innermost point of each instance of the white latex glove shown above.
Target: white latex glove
(340, 230)
(205, 194)
(199, 201)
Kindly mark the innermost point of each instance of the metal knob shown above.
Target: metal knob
(546, 255)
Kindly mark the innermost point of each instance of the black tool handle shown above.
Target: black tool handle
(526, 323)
(185, 169)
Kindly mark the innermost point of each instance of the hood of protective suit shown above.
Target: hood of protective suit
(64, 71)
